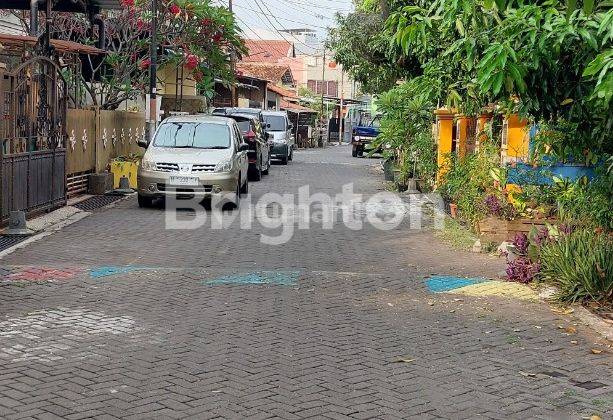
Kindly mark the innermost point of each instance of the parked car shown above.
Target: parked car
(277, 124)
(363, 134)
(226, 111)
(257, 139)
(198, 155)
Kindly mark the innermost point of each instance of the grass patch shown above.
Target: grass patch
(456, 235)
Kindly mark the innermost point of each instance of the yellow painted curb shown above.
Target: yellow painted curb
(498, 288)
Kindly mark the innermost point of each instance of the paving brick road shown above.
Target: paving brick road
(117, 317)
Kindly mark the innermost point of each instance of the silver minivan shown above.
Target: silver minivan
(279, 128)
(194, 155)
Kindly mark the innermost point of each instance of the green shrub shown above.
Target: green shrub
(590, 204)
(580, 264)
(406, 129)
(469, 180)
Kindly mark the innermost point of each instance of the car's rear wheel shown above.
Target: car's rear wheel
(144, 201)
(291, 153)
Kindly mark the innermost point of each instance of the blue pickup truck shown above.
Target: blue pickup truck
(363, 134)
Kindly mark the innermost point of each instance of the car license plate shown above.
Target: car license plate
(183, 180)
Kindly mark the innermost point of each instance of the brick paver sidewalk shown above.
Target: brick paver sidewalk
(116, 317)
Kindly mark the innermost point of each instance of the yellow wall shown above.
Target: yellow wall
(444, 119)
(462, 135)
(517, 137)
(167, 81)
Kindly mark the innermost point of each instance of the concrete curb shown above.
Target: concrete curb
(593, 321)
(579, 313)
(55, 221)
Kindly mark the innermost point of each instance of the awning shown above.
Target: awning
(21, 41)
(282, 91)
(292, 107)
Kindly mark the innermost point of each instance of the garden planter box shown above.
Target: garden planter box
(497, 230)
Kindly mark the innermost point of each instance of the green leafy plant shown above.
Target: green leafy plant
(406, 129)
(580, 264)
(589, 204)
(469, 180)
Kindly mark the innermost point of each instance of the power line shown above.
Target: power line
(278, 17)
(305, 7)
(261, 39)
(302, 9)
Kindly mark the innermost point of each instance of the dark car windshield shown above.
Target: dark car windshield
(243, 123)
(277, 122)
(198, 135)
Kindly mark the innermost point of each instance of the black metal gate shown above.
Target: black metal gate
(32, 130)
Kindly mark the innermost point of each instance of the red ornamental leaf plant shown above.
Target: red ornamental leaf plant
(195, 34)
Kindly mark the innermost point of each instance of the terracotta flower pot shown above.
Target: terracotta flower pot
(453, 210)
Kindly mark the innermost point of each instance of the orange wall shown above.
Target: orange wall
(517, 137)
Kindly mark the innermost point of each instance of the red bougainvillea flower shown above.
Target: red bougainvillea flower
(205, 22)
(127, 3)
(145, 64)
(191, 61)
(140, 24)
(216, 37)
(174, 9)
(198, 75)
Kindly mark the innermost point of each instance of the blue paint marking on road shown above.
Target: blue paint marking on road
(275, 278)
(438, 284)
(99, 272)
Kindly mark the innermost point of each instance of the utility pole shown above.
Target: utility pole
(341, 119)
(323, 78)
(233, 95)
(153, 117)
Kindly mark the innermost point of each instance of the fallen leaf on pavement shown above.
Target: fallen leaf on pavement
(570, 330)
(565, 311)
(573, 341)
(531, 375)
(596, 351)
(390, 304)
(404, 360)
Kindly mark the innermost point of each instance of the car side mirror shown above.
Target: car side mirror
(144, 143)
(243, 147)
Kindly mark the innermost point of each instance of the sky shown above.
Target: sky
(263, 18)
